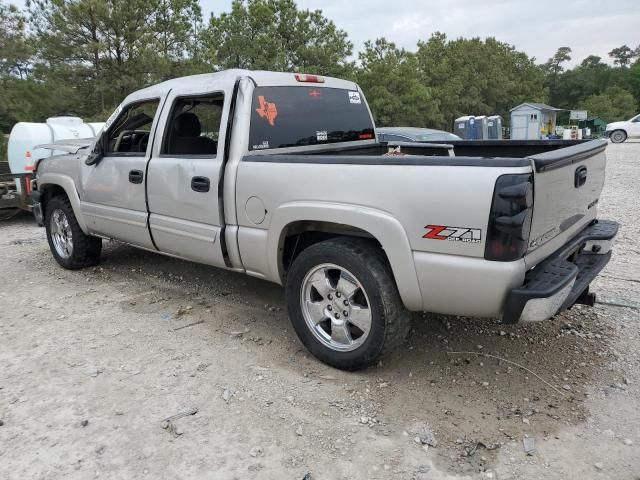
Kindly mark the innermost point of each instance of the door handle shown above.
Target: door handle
(136, 176)
(200, 184)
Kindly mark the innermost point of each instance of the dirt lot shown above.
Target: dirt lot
(92, 362)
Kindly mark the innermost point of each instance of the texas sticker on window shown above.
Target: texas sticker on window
(354, 97)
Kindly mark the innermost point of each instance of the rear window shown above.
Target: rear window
(307, 115)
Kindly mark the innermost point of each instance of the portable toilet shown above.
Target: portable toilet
(533, 121)
(482, 125)
(494, 127)
(465, 127)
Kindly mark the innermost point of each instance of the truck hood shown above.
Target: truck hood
(68, 146)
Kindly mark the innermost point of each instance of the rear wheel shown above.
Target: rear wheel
(618, 136)
(70, 246)
(344, 304)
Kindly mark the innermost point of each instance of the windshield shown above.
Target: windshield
(436, 136)
(307, 115)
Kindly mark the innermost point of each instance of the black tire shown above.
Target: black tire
(618, 136)
(86, 249)
(390, 320)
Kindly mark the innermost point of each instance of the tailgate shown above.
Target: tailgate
(567, 186)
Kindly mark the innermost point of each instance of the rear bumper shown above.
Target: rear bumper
(562, 279)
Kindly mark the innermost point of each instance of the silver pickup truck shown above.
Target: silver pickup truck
(281, 176)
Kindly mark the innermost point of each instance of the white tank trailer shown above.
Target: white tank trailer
(25, 136)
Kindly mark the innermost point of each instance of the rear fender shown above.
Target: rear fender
(383, 227)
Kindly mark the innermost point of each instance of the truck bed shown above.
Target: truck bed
(545, 154)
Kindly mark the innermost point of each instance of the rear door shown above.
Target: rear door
(567, 187)
(113, 190)
(183, 178)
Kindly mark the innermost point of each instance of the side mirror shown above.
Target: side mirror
(96, 154)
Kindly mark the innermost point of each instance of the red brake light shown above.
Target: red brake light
(302, 77)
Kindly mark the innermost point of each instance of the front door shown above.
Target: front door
(634, 127)
(113, 190)
(183, 176)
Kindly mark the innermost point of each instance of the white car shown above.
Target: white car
(618, 132)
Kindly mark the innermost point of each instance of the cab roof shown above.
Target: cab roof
(225, 79)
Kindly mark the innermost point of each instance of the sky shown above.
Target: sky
(537, 27)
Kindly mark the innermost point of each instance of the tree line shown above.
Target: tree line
(83, 57)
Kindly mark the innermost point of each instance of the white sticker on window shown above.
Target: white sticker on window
(112, 117)
(261, 146)
(461, 126)
(354, 97)
(321, 136)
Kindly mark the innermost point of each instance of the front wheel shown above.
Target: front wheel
(70, 246)
(618, 136)
(344, 304)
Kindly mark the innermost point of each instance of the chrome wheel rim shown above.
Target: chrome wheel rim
(335, 307)
(61, 234)
(618, 137)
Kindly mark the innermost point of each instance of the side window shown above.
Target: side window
(129, 135)
(637, 119)
(194, 126)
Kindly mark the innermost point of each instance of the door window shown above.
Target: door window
(129, 134)
(194, 126)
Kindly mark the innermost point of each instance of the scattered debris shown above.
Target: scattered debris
(189, 325)
(226, 395)
(626, 441)
(425, 435)
(307, 476)
(84, 423)
(512, 363)
(529, 445)
(169, 425)
(256, 452)
(299, 431)
(424, 468)
(599, 465)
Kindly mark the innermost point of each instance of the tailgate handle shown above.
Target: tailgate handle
(581, 176)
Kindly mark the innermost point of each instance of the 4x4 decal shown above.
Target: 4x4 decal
(453, 234)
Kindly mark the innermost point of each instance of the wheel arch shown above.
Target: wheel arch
(52, 184)
(326, 220)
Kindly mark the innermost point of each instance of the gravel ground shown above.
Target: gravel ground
(93, 362)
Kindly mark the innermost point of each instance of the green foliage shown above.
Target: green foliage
(395, 89)
(623, 55)
(475, 76)
(84, 56)
(554, 64)
(612, 105)
(276, 35)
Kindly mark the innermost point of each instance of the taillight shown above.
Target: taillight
(302, 77)
(510, 218)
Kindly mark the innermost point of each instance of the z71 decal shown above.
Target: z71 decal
(453, 234)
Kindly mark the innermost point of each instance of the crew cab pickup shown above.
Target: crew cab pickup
(281, 176)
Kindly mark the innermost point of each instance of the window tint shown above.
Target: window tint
(129, 134)
(307, 115)
(194, 126)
